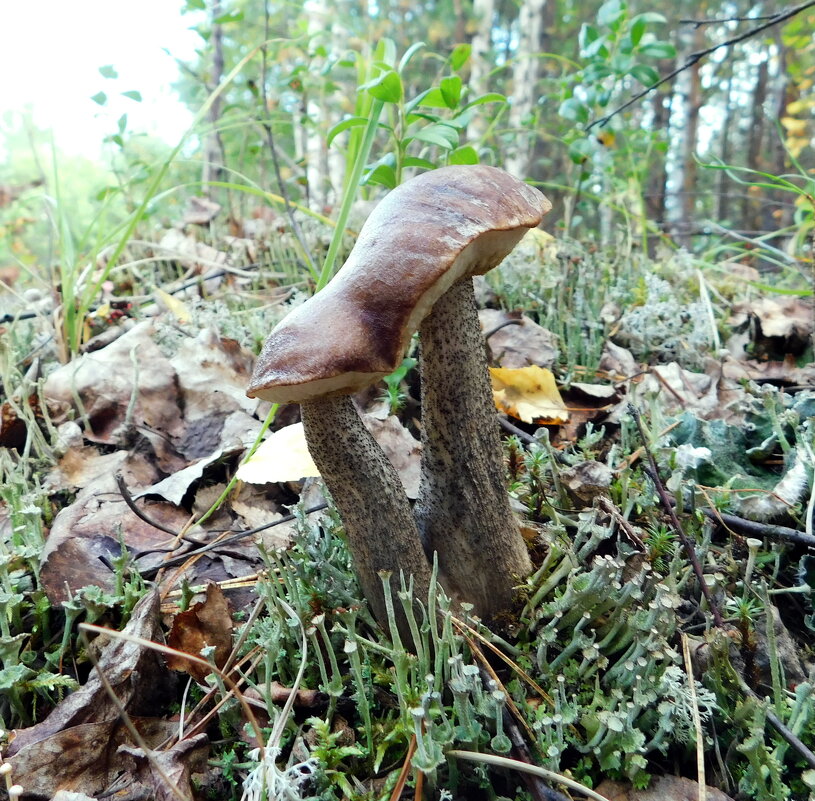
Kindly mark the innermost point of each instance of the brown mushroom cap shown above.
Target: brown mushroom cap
(424, 236)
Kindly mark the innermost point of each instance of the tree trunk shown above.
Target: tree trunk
(751, 205)
(213, 146)
(525, 87)
(480, 62)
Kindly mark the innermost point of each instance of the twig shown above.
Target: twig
(497, 328)
(131, 504)
(755, 528)
(403, 774)
(779, 725)
(693, 58)
(699, 22)
(653, 472)
(181, 558)
(517, 432)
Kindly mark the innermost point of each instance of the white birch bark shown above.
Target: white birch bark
(525, 86)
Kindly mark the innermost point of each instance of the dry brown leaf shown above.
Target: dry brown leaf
(784, 324)
(85, 537)
(520, 343)
(177, 764)
(586, 481)
(208, 623)
(75, 747)
(401, 448)
(529, 394)
(201, 210)
(130, 368)
(662, 788)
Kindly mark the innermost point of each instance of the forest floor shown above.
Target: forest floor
(651, 410)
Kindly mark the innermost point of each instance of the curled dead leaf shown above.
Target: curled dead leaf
(529, 394)
(206, 624)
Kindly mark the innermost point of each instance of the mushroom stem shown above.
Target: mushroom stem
(381, 531)
(463, 509)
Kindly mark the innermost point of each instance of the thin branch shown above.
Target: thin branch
(149, 572)
(758, 529)
(131, 504)
(653, 472)
(699, 22)
(693, 58)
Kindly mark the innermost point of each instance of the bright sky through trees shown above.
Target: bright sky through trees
(50, 60)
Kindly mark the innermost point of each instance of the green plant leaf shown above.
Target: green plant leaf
(386, 52)
(387, 87)
(490, 97)
(610, 12)
(646, 75)
(230, 16)
(438, 134)
(432, 98)
(572, 109)
(450, 89)
(344, 125)
(580, 151)
(108, 71)
(463, 155)
(417, 161)
(133, 95)
(384, 175)
(409, 53)
(460, 56)
(638, 26)
(100, 98)
(658, 50)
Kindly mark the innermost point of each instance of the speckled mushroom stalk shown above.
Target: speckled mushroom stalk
(463, 507)
(371, 500)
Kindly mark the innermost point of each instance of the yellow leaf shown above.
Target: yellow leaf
(794, 126)
(176, 307)
(796, 107)
(528, 393)
(282, 457)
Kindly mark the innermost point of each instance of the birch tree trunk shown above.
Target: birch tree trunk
(480, 62)
(525, 85)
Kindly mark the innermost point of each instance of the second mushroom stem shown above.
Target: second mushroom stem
(382, 534)
(463, 509)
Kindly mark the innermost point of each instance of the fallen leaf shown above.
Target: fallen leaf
(176, 486)
(529, 394)
(173, 305)
(200, 210)
(206, 624)
(662, 788)
(402, 449)
(86, 536)
(281, 457)
(586, 481)
(520, 342)
(75, 747)
(127, 385)
(177, 764)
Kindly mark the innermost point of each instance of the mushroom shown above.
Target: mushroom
(419, 247)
